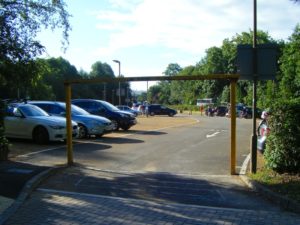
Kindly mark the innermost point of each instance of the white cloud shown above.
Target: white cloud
(147, 35)
(188, 25)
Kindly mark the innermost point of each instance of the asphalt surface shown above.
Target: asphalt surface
(89, 195)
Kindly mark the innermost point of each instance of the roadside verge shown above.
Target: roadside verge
(282, 201)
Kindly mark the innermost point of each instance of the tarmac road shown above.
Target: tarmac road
(201, 146)
(177, 163)
(177, 174)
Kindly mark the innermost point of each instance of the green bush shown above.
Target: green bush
(283, 144)
(3, 141)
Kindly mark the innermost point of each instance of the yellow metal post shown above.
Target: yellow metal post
(69, 124)
(233, 126)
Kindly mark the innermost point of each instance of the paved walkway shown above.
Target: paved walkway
(72, 208)
(49, 204)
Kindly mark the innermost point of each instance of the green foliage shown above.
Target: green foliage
(218, 60)
(20, 22)
(3, 141)
(172, 69)
(290, 67)
(283, 144)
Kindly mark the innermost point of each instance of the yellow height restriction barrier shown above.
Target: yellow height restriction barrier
(232, 77)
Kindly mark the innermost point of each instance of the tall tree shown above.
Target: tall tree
(106, 91)
(54, 71)
(290, 67)
(172, 69)
(20, 22)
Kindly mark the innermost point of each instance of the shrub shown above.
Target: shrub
(283, 144)
(3, 141)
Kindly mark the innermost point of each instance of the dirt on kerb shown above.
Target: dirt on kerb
(160, 122)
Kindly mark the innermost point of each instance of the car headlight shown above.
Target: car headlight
(95, 123)
(57, 127)
(124, 116)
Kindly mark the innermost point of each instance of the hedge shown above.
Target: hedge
(282, 152)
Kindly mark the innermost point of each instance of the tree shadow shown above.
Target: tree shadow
(117, 140)
(160, 187)
(145, 132)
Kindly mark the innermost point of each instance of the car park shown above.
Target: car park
(128, 109)
(88, 124)
(157, 109)
(30, 122)
(119, 118)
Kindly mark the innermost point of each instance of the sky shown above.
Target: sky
(147, 35)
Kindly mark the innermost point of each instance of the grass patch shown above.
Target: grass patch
(284, 184)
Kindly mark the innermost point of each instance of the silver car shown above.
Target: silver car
(88, 124)
(30, 122)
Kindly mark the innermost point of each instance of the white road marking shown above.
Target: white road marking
(79, 181)
(44, 150)
(212, 135)
(244, 166)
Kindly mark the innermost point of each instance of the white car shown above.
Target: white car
(30, 122)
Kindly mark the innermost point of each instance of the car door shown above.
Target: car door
(164, 110)
(17, 125)
(99, 109)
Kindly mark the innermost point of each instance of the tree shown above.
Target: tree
(290, 67)
(106, 91)
(172, 69)
(53, 72)
(20, 22)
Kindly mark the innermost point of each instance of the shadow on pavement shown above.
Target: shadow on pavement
(118, 140)
(14, 175)
(158, 187)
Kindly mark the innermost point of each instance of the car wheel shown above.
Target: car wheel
(115, 125)
(152, 114)
(40, 135)
(99, 135)
(171, 114)
(82, 133)
(126, 127)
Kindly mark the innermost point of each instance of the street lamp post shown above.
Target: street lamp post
(119, 63)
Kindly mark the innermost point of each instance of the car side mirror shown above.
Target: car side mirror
(17, 113)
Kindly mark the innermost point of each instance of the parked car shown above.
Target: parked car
(157, 109)
(88, 124)
(119, 118)
(220, 110)
(30, 122)
(128, 109)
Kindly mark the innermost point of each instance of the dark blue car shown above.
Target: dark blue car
(119, 118)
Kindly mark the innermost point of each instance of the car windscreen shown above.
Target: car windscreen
(32, 111)
(75, 110)
(109, 106)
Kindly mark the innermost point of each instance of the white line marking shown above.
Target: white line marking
(212, 135)
(79, 181)
(244, 166)
(45, 150)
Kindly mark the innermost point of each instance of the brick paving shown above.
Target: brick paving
(68, 208)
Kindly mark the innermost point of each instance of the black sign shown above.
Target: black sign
(266, 61)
